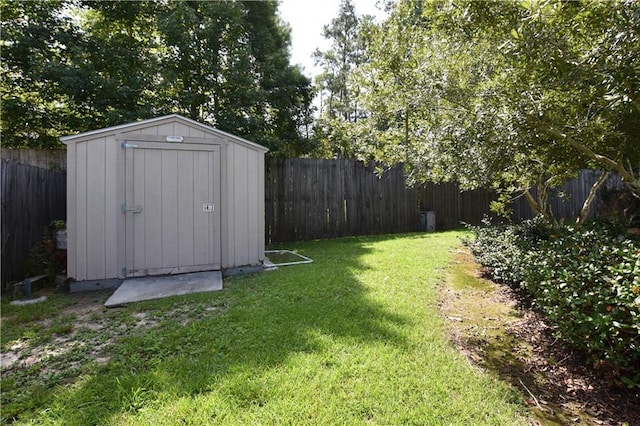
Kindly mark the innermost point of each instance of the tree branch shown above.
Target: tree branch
(557, 134)
(532, 202)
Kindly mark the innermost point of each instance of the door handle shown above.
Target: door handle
(130, 209)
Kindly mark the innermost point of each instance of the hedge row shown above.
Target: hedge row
(585, 280)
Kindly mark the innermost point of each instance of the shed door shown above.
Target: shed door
(172, 194)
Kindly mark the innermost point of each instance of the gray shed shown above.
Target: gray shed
(162, 196)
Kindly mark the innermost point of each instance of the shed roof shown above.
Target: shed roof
(159, 120)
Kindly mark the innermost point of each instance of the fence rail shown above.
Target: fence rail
(32, 197)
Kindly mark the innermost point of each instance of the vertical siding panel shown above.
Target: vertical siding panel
(139, 199)
(241, 206)
(186, 208)
(129, 200)
(253, 213)
(201, 236)
(169, 188)
(223, 208)
(152, 209)
(120, 169)
(96, 186)
(81, 211)
(195, 133)
(215, 217)
(136, 132)
(72, 222)
(232, 188)
(180, 129)
(209, 216)
(112, 208)
(165, 129)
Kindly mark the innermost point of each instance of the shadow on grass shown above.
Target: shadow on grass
(258, 322)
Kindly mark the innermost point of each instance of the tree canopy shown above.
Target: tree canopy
(338, 89)
(71, 66)
(504, 94)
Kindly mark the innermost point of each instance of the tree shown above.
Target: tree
(34, 39)
(73, 65)
(509, 94)
(347, 32)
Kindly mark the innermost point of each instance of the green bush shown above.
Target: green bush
(44, 257)
(585, 280)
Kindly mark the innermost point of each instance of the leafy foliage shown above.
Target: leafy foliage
(338, 88)
(585, 280)
(505, 95)
(44, 257)
(74, 66)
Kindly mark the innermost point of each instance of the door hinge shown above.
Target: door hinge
(126, 145)
(130, 209)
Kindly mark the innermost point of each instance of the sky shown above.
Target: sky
(307, 18)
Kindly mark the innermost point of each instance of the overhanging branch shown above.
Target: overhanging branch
(559, 135)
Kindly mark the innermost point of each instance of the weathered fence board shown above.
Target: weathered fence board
(566, 201)
(313, 198)
(54, 159)
(32, 197)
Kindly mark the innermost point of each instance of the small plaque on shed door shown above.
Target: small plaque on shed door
(207, 207)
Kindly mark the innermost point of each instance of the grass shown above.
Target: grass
(354, 338)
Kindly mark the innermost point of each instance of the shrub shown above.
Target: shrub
(585, 280)
(44, 257)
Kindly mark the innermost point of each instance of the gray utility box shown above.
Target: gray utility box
(427, 221)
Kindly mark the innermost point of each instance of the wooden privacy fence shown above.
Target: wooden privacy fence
(566, 201)
(313, 198)
(32, 197)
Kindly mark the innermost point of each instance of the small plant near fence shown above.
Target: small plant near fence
(45, 258)
(585, 280)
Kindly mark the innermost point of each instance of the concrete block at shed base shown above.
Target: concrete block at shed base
(94, 285)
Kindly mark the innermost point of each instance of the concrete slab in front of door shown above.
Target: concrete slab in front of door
(147, 288)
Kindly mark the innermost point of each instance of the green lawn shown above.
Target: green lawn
(353, 338)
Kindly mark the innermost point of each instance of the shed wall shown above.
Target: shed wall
(92, 209)
(243, 235)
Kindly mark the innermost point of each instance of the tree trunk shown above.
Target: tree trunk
(586, 206)
(541, 205)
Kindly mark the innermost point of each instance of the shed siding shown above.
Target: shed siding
(92, 218)
(186, 200)
(95, 200)
(81, 212)
(243, 243)
(170, 209)
(72, 223)
(112, 207)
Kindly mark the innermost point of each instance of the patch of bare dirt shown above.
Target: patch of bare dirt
(518, 346)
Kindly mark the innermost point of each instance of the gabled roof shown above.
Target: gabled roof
(129, 127)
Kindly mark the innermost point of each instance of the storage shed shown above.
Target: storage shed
(162, 196)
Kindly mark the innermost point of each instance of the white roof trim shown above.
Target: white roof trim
(151, 121)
